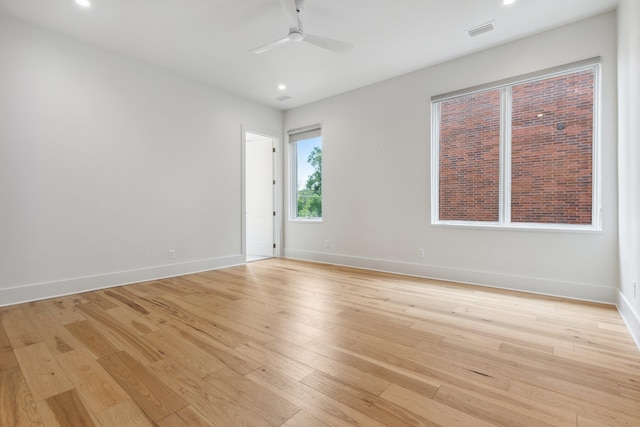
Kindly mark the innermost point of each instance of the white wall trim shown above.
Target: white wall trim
(630, 317)
(38, 291)
(577, 291)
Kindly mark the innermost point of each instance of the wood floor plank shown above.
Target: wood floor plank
(8, 360)
(150, 394)
(197, 360)
(586, 422)
(432, 410)
(19, 328)
(91, 338)
(304, 419)
(384, 327)
(120, 334)
(271, 407)
(133, 321)
(440, 370)
(601, 411)
(5, 343)
(147, 310)
(362, 401)
(321, 406)
(529, 367)
(97, 299)
(124, 414)
(128, 302)
(203, 319)
(42, 372)
(275, 360)
(578, 354)
(98, 389)
(198, 313)
(17, 406)
(55, 336)
(601, 378)
(495, 332)
(68, 410)
(206, 398)
(630, 392)
(65, 309)
(416, 383)
(186, 417)
(231, 358)
(494, 411)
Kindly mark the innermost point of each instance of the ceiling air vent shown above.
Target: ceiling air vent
(481, 29)
(283, 98)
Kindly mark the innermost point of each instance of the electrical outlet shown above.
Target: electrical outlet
(420, 253)
(327, 243)
(172, 254)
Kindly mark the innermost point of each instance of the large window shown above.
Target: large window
(520, 153)
(306, 173)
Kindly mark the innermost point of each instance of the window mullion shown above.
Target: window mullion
(505, 157)
(435, 163)
(293, 182)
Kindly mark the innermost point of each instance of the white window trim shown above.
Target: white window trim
(293, 175)
(504, 222)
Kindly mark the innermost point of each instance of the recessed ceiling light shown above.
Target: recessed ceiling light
(83, 3)
(508, 2)
(282, 86)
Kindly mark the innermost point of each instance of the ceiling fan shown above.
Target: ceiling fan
(293, 9)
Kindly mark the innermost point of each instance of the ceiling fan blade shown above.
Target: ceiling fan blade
(329, 44)
(290, 9)
(268, 47)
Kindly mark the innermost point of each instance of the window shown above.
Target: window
(519, 153)
(306, 173)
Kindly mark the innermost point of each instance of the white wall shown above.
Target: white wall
(377, 207)
(106, 163)
(629, 155)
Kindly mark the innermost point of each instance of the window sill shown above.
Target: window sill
(307, 220)
(524, 227)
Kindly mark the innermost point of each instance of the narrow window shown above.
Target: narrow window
(306, 173)
(519, 153)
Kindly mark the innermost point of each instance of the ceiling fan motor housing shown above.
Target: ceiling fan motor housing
(296, 36)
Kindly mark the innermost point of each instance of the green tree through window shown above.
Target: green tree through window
(309, 200)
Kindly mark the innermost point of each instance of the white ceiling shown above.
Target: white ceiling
(209, 40)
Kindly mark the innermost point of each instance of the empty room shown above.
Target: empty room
(319, 213)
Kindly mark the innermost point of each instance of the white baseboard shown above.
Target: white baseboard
(631, 318)
(64, 287)
(577, 291)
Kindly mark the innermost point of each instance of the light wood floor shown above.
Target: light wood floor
(280, 342)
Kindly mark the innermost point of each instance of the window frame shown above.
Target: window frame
(295, 136)
(504, 219)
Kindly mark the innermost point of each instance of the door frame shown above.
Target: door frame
(277, 190)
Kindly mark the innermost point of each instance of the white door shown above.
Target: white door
(260, 195)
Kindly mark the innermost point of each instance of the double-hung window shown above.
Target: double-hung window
(306, 173)
(519, 153)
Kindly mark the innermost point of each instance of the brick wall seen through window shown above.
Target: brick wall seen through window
(552, 150)
(470, 157)
(538, 135)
